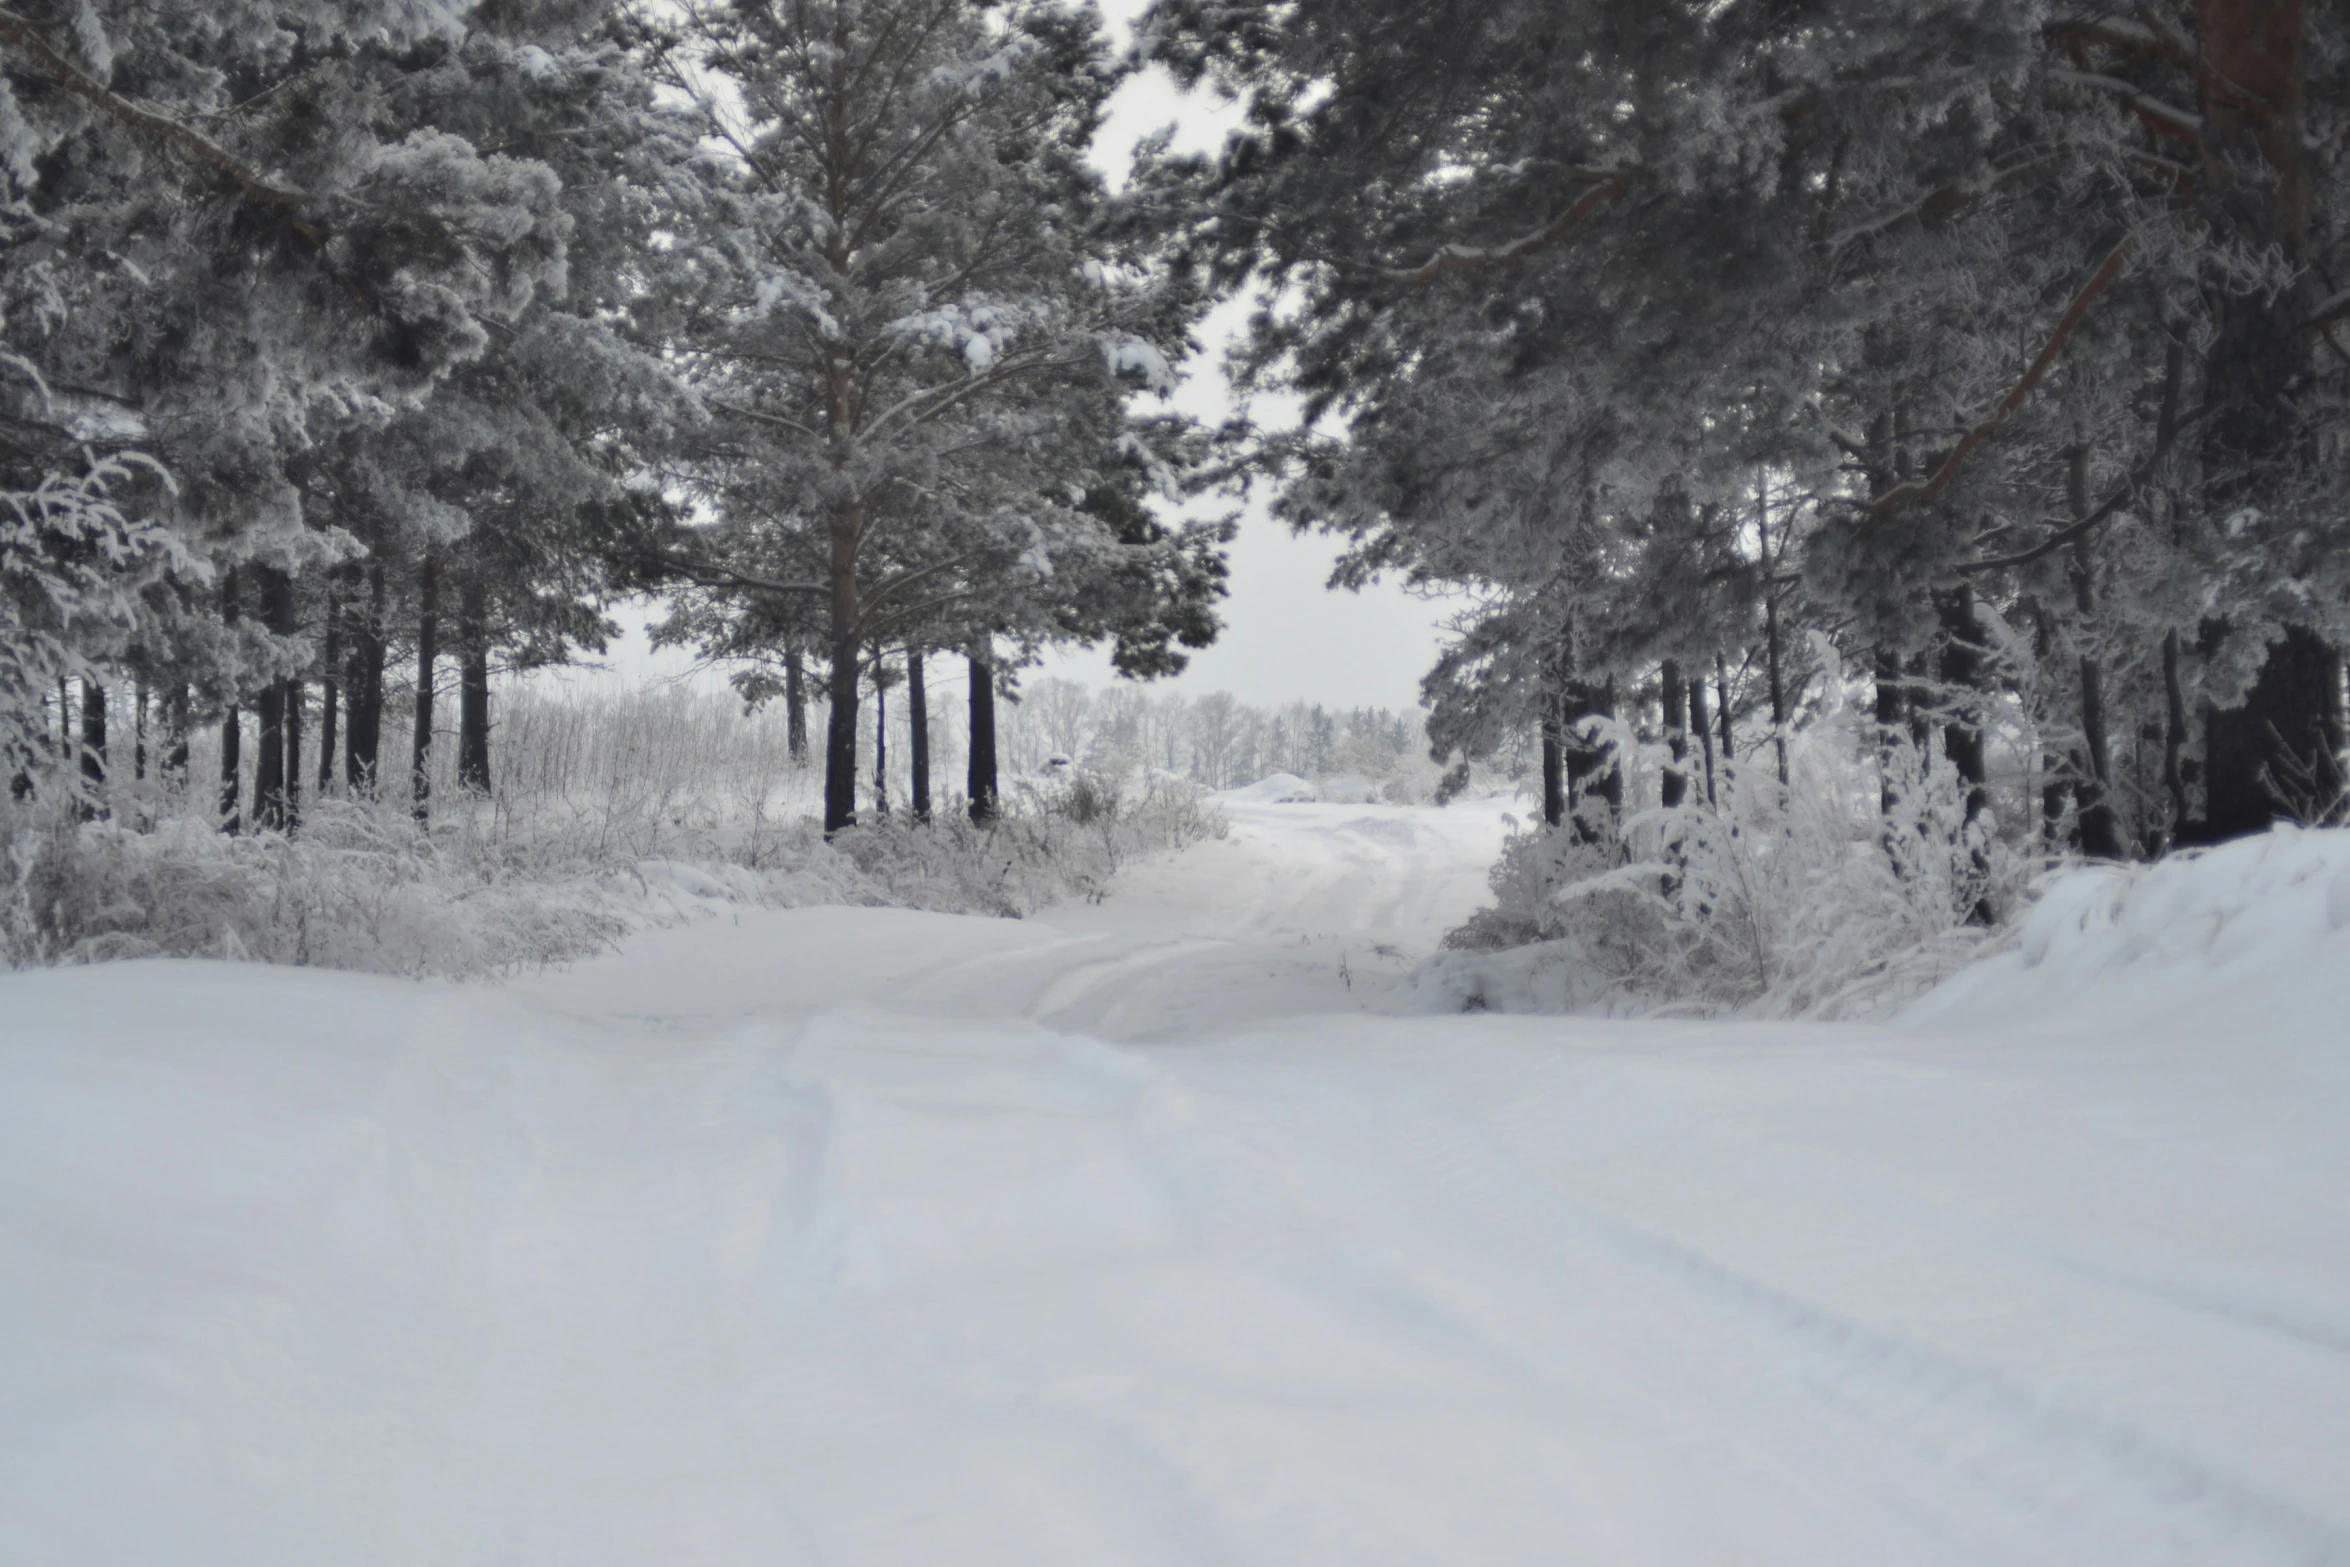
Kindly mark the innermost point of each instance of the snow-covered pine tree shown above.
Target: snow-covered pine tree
(913, 335)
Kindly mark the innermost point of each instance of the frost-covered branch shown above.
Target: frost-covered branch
(1470, 258)
(20, 32)
(2005, 409)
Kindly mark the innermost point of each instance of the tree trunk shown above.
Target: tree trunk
(1674, 787)
(269, 764)
(93, 732)
(2100, 829)
(981, 772)
(1771, 656)
(795, 705)
(840, 740)
(293, 722)
(918, 718)
(139, 729)
(1963, 740)
(176, 710)
(2174, 738)
(880, 737)
(232, 818)
(1892, 699)
(473, 689)
(1698, 726)
(1554, 761)
(1722, 712)
(2258, 360)
(1962, 671)
(330, 684)
(2290, 730)
(428, 638)
(363, 739)
(1586, 762)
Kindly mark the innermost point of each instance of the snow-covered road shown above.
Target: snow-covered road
(1137, 1234)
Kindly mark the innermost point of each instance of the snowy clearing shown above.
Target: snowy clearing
(1136, 1233)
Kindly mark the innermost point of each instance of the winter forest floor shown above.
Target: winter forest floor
(1161, 1229)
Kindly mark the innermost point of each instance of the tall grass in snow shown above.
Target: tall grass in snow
(605, 814)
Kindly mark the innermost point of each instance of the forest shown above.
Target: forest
(1916, 429)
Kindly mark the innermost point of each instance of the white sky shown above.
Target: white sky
(1286, 636)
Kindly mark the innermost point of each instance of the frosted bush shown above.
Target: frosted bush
(1812, 900)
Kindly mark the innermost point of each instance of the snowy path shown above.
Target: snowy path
(1130, 1235)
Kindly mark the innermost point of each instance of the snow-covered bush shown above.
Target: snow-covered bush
(1054, 839)
(1853, 888)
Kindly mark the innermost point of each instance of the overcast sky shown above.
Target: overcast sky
(1286, 636)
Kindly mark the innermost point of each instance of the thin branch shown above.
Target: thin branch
(777, 420)
(2129, 490)
(1939, 480)
(708, 574)
(2161, 117)
(1465, 258)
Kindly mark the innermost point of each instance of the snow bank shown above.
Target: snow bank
(2251, 934)
(1273, 789)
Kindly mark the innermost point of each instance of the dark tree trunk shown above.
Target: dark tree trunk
(232, 816)
(1698, 726)
(1772, 664)
(176, 710)
(1592, 772)
(981, 772)
(269, 763)
(2259, 754)
(473, 690)
(69, 745)
(1962, 676)
(1554, 760)
(2100, 828)
(840, 740)
(795, 705)
(428, 639)
(269, 757)
(2174, 738)
(363, 740)
(918, 718)
(1722, 714)
(330, 685)
(1963, 740)
(93, 732)
(1892, 724)
(295, 695)
(2277, 757)
(880, 738)
(1675, 786)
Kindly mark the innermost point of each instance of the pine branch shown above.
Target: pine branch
(1466, 258)
(20, 32)
(2075, 313)
(2164, 119)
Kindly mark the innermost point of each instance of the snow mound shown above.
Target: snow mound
(1278, 789)
(2254, 931)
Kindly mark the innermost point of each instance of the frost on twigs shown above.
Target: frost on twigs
(1813, 900)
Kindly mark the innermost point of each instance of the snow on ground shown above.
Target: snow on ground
(1137, 1234)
